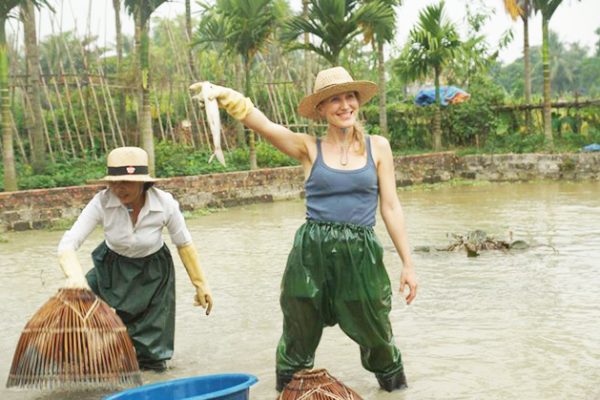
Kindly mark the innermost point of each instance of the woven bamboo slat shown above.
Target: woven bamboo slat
(75, 340)
(317, 384)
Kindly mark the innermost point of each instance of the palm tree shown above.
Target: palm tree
(335, 23)
(431, 46)
(378, 34)
(8, 156)
(523, 9)
(244, 28)
(547, 9)
(142, 11)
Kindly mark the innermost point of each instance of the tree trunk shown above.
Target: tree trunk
(527, 62)
(251, 137)
(383, 125)
(38, 146)
(307, 65)
(437, 116)
(188, 30)
(547, 92)
(119, 48)
(145, 121)
(239, 128)
(133, 136)
(8, 152)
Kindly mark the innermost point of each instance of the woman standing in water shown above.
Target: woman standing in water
(335, 271)
(133, 268)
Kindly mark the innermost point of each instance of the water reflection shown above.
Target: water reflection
(522, 324)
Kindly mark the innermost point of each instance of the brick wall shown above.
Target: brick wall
(36, 209)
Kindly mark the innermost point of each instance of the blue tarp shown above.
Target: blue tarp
(591, 147)
(448, 94)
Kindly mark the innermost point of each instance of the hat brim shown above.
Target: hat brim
(308, 105)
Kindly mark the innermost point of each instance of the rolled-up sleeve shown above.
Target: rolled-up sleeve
(81, 229)
(178, 231)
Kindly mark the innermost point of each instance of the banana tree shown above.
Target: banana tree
(8, 156)
(547, 9)
(378, 34)
(142, 10)
(244, 28)
(432, 44)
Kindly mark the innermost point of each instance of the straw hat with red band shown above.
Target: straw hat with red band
(330, 82)
(127, 164)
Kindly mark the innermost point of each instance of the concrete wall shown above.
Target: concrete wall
(36, 209)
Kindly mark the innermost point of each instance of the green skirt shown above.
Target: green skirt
(335, 275)
(142, 291)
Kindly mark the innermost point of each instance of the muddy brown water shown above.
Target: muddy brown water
(522, 324)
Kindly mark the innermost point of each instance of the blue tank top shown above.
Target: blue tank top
(346, 196)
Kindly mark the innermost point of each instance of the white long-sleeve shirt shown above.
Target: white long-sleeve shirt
(135, 241)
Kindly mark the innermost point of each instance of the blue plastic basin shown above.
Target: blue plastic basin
(207, 387)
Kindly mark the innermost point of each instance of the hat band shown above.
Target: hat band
(128, 170)
(331, 85)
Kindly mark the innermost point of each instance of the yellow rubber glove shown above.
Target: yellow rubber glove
(189, 257)
(70, 265)
(235, 103)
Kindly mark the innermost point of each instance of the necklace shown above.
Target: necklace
(344, 148)
(344, 154)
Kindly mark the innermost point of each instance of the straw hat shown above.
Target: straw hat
(333, 81)
(127, 164)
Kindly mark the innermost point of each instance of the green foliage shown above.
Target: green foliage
(409, 126)
(181, 160)
(71, 173)
(432, 44)
(336, 23)
(472, 121)
(572, 71)
(515, 143)
(171, 160)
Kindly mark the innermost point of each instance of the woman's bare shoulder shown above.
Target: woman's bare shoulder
(379, 141)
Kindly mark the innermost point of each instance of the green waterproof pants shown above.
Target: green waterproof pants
(335, 274)
(142, 291)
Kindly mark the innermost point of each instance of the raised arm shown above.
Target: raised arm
(392, 214)
(241, 108)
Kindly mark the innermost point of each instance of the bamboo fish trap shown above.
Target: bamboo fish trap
(75, 340)
(317, 384)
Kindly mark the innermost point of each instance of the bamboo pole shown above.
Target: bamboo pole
(71, 112)
(64, 115)
(105, 85)
(169, 122)
(162, 131)
(26, 121)
(18, 139)
(53, 114)
(108, 114)
(188, 96)
(94, 97)
(82, 100)
(49, 142)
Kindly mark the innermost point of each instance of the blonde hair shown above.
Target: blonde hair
(358, 134)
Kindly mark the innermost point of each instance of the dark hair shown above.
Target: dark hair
(148, 185)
